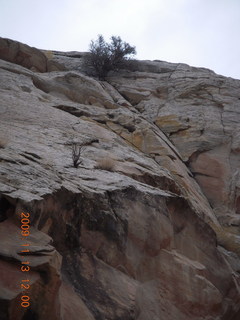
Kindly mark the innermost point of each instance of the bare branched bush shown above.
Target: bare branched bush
(76, 154)
(105, 164)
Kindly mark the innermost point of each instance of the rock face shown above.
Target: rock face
(147, 226)
(26, 56)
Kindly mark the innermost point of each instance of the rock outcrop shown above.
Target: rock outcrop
(147, 226)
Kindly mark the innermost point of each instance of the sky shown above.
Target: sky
(201, 33)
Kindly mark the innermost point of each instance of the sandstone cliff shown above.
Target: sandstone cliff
(147, 227)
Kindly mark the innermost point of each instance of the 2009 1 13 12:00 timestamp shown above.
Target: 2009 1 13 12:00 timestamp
(25, 268)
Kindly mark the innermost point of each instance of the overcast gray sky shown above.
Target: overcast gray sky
(202, 33)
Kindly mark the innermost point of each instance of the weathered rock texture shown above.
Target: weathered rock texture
(147, 227)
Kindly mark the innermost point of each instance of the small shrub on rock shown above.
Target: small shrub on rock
(3, 143)
(105, 164)
(76, 154)
(105, 57)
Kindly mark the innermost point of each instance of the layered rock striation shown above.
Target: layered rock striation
(147, 226)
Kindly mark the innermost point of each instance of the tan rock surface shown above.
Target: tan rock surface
(141, 241)
(200, 113)
(22, 54)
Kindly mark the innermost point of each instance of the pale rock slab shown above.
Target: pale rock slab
(141, 241)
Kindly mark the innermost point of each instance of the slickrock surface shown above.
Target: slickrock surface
(148, 226)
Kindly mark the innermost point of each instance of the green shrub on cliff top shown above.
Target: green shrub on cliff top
(109, 56)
